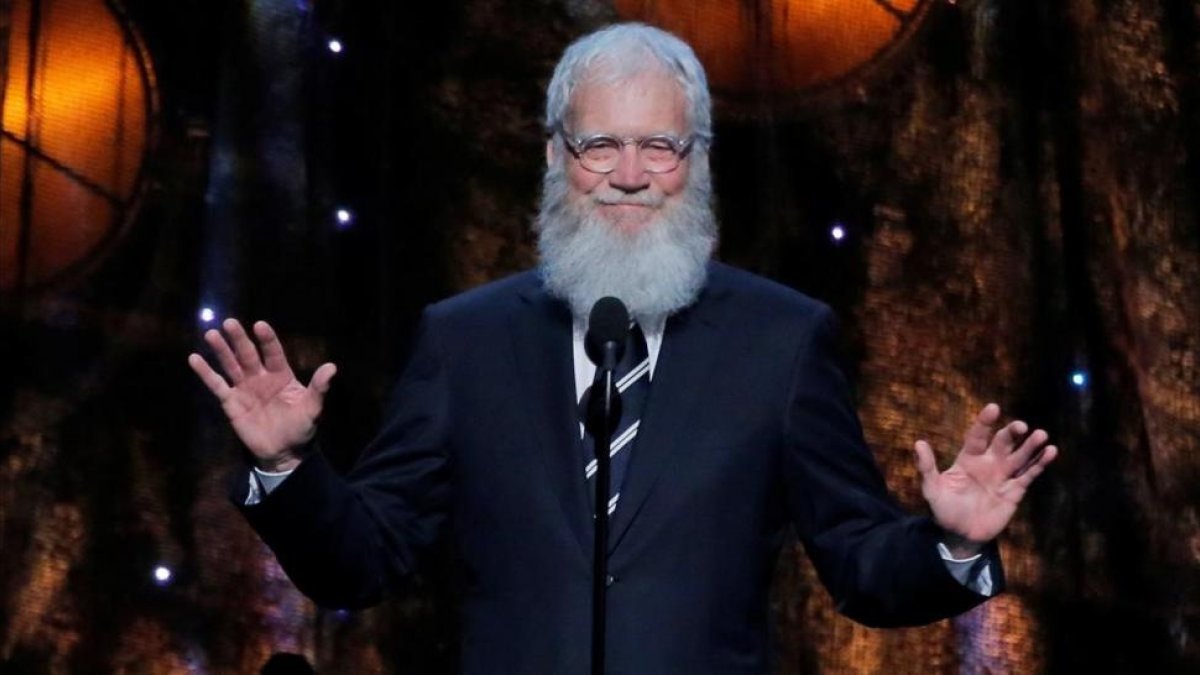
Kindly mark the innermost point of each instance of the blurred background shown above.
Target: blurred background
(999, 198)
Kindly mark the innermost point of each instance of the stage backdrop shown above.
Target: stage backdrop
(999, 198)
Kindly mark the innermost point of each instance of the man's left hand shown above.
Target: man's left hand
(975, 498)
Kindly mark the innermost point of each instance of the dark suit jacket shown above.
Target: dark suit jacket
(749, 427)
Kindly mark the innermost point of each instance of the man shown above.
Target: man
(747, 425)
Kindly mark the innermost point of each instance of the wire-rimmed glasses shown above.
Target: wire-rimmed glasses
(601, 153)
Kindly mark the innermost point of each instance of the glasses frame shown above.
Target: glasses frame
(681, 146)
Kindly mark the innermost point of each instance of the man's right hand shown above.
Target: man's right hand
(272, 412)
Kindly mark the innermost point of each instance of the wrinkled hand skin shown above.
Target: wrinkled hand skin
(975, 498)
(272, 412)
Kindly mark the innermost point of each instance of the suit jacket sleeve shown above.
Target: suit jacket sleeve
(880, 565)
(345, 542)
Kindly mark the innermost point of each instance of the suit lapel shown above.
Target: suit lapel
(689, 350)
(542, 345)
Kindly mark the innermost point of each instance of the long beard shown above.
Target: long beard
(656, 270)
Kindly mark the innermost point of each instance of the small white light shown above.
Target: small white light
(838, 233)
(335, 46)
(162, 575)
(345, 217)
(207, 314)
(1079, 379)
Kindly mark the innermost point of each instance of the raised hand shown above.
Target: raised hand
(272, 412)
(975, 498)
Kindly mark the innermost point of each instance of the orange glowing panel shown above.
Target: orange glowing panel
(785, 45)
(76, 127)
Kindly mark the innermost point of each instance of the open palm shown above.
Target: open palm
(976, 497)
(271, 411)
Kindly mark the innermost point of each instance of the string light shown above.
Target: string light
(162, 575)
(335, 46)
(345, 218)
(837, 232)
(1079, 379)
(207, 314)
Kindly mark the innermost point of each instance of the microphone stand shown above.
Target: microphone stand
(602, 415)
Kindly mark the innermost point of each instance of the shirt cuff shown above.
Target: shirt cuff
(263, 483)
(975, 572)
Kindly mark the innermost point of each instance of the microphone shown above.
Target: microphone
(604, 343)
(608, 326)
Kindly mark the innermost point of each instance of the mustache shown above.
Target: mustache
(620, 198)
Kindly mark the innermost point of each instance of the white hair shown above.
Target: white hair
(656, 270)
(619, 53)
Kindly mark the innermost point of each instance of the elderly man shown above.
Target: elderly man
(745, 425)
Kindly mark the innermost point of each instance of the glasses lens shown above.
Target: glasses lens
(658, 154)
(600, 153)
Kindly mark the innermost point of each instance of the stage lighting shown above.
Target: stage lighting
(78, 119)
(785, 46)
(162, 575)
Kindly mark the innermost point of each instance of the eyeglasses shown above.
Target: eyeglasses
(600, 153)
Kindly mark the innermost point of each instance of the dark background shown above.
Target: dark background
(1018, 181)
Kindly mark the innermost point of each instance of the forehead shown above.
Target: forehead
(647, 103)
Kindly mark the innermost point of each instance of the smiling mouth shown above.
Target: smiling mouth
(629, 218)
(629, 205)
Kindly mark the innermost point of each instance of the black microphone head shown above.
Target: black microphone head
(608, 323)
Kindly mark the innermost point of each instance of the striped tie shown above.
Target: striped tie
(632, 376)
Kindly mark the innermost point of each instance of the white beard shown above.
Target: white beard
(656, 270)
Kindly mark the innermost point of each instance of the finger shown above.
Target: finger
(980, 432)
(1029, 451)
(272, 350)
(1035, 468)
(211, 378)
(319, 384)
(1007, 438)
(243, 348)
(926, 463)
(225, 356)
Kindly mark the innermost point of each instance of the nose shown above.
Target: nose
(630, 174)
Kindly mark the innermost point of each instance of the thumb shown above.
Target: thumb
(926, 464)
(319, 384)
